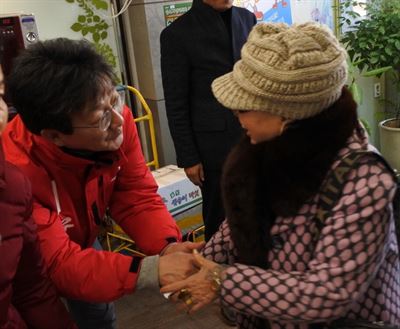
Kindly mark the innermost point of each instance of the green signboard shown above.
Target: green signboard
(173, 11)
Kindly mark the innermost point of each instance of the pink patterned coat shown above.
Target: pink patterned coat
(351, 271)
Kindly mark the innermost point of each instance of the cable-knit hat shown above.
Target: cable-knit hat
(291, 71)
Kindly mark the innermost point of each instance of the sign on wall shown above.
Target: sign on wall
(173, 11)
(290, 11)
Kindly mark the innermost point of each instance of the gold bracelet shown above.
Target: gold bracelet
(215, 277)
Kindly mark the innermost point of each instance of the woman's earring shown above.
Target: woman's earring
(284, 126)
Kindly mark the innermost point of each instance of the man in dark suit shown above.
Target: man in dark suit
(198, 47)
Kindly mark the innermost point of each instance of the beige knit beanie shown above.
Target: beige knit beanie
(291, 71)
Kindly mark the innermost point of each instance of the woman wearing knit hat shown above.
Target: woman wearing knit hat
(309, 239)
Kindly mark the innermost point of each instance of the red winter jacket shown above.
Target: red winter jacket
(71, 195)
(27, 296)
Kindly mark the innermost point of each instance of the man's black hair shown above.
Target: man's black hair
(55, 78)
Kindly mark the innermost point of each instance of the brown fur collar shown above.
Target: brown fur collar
(276, 177)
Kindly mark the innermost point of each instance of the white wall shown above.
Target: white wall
(54, 18)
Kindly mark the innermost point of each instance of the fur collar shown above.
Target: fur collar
(277, 177)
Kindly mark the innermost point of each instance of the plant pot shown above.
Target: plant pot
(390, 141)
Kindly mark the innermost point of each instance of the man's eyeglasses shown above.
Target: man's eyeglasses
(106, 119)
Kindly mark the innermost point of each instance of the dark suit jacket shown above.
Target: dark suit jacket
(196, 49)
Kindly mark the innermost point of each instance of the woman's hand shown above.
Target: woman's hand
(199, 289)
(186, 246)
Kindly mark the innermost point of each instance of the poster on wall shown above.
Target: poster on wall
(290, 11)
(173, 11)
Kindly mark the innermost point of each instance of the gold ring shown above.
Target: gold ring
(184, 294)
(189, 301)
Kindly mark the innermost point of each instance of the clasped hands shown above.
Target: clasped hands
(187, 277)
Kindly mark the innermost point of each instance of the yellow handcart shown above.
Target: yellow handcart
(115, 238)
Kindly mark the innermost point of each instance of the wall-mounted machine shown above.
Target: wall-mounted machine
(18, 31)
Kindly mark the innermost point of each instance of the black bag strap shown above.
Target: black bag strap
(332, 188)
(331, 193)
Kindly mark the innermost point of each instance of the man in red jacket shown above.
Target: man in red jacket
(80, 148)
(27, 296)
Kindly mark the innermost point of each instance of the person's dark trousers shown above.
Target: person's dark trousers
(213, 210)
(92, 315)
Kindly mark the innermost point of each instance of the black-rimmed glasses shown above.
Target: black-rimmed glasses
(106, 119)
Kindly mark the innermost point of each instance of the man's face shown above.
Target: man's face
(3, 105)
(98, 127)
(219, 5)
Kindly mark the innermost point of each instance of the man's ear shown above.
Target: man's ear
(53, 136)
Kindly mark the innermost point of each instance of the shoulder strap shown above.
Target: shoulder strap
(332, 189)
(331, 193)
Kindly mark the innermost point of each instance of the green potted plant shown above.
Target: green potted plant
(373, 44)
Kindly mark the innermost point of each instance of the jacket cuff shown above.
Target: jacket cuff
(148, 275)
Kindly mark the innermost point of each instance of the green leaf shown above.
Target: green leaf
(374, 60)
(100, 4)
(397, 44)
(70, 1)
(81, 19)
(76, 27)
(85, 31)
(388, 51)
(379, 116)
(96, 18)
(366, 126)
(358, 62)
(96, 37)
(356, 92)
(376, 72)
(104, 35)
(363, 44)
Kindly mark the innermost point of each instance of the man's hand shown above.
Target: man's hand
(199, 288)
(175, 267)
(186, 247)
(195, 174)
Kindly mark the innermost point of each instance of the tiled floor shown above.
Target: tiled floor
(148, 311)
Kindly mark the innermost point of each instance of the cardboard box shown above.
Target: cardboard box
(182, 198)
(177, 191)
